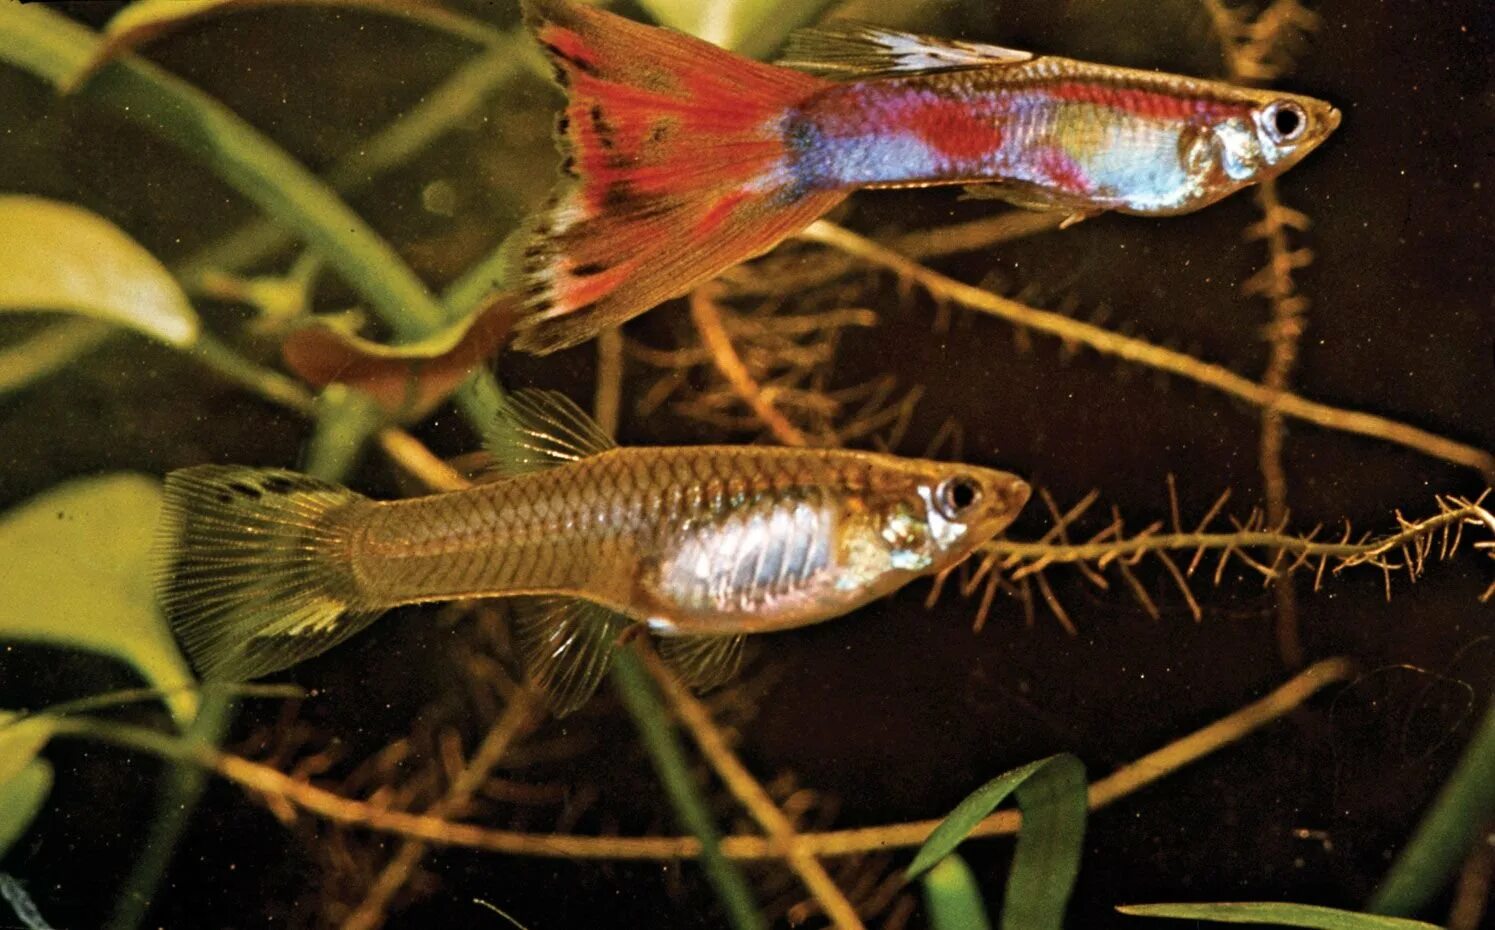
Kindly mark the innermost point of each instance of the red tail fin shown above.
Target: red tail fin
(678, 168)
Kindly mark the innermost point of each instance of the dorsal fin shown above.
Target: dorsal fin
(702, 662)
(536, 430)
(857, 50)
(566, 645)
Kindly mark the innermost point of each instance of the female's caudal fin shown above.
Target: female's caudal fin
(678, 169)
(254, 570)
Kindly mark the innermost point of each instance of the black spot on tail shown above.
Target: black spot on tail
(601, 126)
(577, 63)
(619, 197)
(279, 484)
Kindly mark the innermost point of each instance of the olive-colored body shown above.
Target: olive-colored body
(707, 539)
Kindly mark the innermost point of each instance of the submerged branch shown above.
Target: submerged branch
(708, 322)
(1262, 546)
(1106, 342)
(517, 716)
(273, 783)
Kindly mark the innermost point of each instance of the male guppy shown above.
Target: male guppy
(684, 159)
(262, 568)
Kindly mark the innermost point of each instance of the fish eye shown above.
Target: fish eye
(1285, 121)
(956, 495)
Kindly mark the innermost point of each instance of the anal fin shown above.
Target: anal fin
(566, 645)
(702, 662)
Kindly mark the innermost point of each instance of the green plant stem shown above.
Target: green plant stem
(631, 680)
(1462, 811)
(47, 351)
(266, 382)
(346, 419)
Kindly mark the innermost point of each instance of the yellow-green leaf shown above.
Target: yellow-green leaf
(1309, 916)
(79, 576)
(953, 898)
(754, 27)
(24, 779)
(56, 256)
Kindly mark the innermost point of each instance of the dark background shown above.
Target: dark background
(897, 711)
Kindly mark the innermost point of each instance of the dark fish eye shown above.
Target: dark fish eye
(956, 495)
(1286, 121)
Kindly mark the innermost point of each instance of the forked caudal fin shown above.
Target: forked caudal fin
(678, 169)
(253, 568)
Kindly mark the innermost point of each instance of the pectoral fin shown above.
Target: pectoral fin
(566, 645)
(1032, 197)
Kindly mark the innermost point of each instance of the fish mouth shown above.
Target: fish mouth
(1331, 120)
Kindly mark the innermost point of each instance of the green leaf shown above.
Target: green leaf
(952, 897)
(80, 576)
(750, 26)
(55, 256)
(1450, 828)
(1051, 794)
(1284, 915)
(24, 779)
(631, 680)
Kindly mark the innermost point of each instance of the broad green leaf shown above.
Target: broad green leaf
(21, 799)
(952, 897)
(1051, 794)
(1450, 828)
(1282, 915)
(751, 26)
(25, 780)
(79, 576)
(55, 256)
(144, 20)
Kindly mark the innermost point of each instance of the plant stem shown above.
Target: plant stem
(458, 97)
(632, 683)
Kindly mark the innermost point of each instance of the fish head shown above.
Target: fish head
(1274, 133)
(929, 516)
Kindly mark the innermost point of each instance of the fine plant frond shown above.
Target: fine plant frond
(1256, 544)
(764, 370)
(1261, 47)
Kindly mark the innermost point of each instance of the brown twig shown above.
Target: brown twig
(608, 404)
(515, 719)
(708, 322)
(1075, 332)
(1247, 49)
(287, 791)
(1017, 566)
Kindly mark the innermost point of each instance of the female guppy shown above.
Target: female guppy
(262, 568)
(684, 159)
